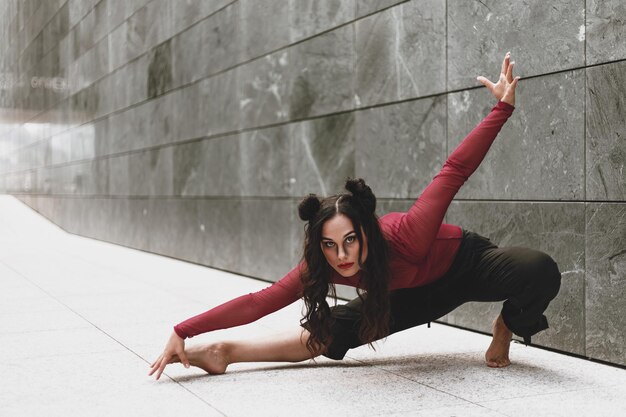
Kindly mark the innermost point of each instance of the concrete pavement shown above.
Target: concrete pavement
(80, 321)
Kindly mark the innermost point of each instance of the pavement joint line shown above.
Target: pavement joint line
(180, 384)
(123, 274)
(105, 266)
(417, 382)
(113, 338)
(543, 394)
(596, 387)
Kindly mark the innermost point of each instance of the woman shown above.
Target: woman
(409, 269)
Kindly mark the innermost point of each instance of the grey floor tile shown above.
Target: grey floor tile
(296, 389)
(421, 340)
(606, 402)
(92, 384)
(533, 372)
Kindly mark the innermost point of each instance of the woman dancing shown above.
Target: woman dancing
(408, 268)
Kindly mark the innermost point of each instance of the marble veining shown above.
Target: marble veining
(309, 18)
(259, 29)
(160, 70)
(412, 135)
(322, 155)
(557, 229)
(605, 30)
(606, 132)
(401, 53)
(364, 7)
(544, 36)
(539, 153)
(606, 283)
(321, 74)
(264, 90)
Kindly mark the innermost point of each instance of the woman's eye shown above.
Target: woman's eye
(350, 239)
(329, 244)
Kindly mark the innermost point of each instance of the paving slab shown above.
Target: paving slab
(81, 320)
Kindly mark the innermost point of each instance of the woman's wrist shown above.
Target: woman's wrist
(505, 105)
(179, 332)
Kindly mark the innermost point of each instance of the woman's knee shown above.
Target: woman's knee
(546, 273)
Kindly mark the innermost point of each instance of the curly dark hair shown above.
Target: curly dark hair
(359, 205)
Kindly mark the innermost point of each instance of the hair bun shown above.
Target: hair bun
(362, 192)
(308, 207)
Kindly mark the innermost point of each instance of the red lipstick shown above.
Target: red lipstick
(346, 266)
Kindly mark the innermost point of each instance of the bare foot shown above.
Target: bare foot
(212, 358)
(497, 356)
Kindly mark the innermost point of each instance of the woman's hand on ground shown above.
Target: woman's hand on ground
(175, 347)
(504, 89)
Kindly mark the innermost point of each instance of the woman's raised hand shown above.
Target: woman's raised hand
(175, 347)
(504, 89)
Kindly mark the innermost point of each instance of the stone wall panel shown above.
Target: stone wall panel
(539, 153)
(554, 228)
(401, 53)
(543, 37)
(605, 288)
(606, 132)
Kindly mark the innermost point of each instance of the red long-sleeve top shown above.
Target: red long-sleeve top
(422, 248)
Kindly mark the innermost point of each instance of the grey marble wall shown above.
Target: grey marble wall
(192, 129)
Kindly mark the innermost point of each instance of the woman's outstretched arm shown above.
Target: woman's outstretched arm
(239, 311)
(247, 308)
(419, 226)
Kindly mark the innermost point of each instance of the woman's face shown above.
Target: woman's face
(341, 246)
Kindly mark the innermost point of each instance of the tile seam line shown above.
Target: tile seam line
(175, 88)
(279, 49)
(288, 198)
(69, 30)
(114, 339)
(351, 22)
(253, 128)
(28, 19)
(417, 382)
(480, 403)
(447, 83)
(132, 278)
(354, 19)
(123, 65)
(96, 42)
(239, 274)
(16, 17)
(447, 99)
(159, 44)
(585, 179)
(43, 27)
(27, 22)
